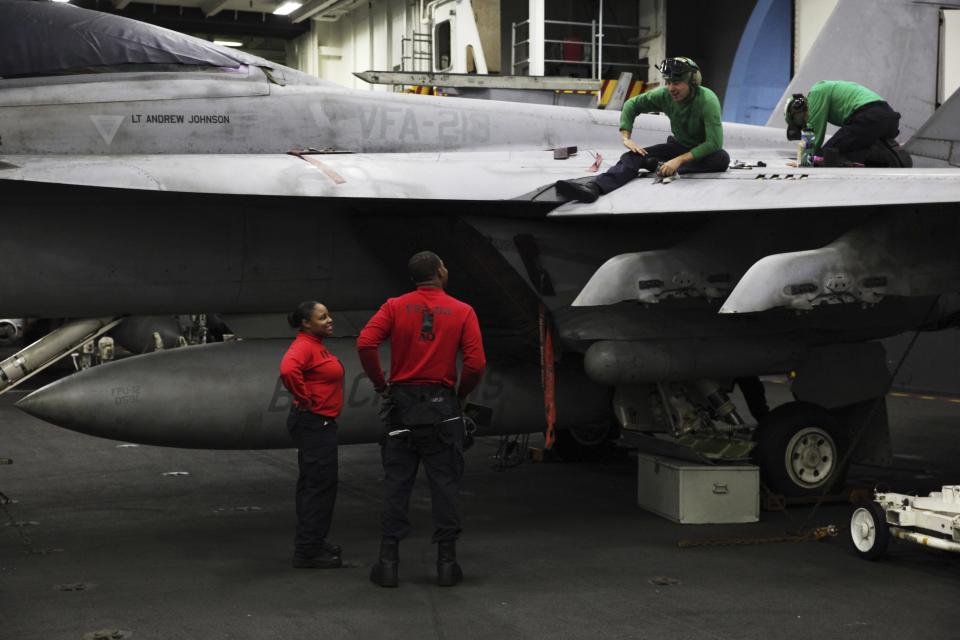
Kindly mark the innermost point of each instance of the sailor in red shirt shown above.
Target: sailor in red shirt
(314, 377)
(426, 328)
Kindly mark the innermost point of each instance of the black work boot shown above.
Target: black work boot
(385, 572)
(449, 572)
(903, 158)
(580, 191)
(322, 559)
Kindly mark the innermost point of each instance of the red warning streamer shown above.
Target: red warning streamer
(548, 378)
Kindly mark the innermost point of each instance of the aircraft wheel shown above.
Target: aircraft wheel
(799, 449)
(583, 443)
(869, 533)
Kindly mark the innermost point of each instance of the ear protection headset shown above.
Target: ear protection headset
(683, 69)
(793, 114)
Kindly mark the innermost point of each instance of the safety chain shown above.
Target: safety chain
(829, 531)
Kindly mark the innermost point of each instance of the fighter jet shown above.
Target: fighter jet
(159, 174)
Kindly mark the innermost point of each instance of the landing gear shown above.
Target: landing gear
(799, 449)
(583, 443)
(869, 533)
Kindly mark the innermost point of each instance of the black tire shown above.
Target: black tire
(817, 442)
(584, 445)
(869, 533)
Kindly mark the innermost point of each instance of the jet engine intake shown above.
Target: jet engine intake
(11, 330)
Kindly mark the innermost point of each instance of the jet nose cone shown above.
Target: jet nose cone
(46, 403)
(27, 404)
(222, 396)
(66, 403)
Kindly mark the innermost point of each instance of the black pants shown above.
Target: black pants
(868, 124)
(316, 439)
(755, 396)
(630, 163)
(443, 461)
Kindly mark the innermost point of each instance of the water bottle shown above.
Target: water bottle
(806, 148)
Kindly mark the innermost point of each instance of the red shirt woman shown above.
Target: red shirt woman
(314, 376)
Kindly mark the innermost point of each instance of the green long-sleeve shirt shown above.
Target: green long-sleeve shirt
(833, 101)
(695, 122)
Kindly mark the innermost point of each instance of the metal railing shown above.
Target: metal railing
(596, 45)
(416, 52)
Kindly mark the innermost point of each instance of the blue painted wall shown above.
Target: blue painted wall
(761, 68)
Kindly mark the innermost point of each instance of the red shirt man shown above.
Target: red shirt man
(426, 328)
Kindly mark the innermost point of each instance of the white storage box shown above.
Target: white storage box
(691, 493)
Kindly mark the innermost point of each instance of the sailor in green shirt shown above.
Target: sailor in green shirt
(696, 143)
(868, 126)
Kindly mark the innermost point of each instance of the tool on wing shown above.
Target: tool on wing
(660, 179)
(740, 164)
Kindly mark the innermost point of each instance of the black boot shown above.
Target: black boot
(903, 158)
(385, 572)
(580, 191)
(321, 559)
(449, 572)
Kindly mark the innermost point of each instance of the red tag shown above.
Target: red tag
(597, 160)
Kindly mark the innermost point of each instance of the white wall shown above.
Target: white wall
(949, 55)
(302, 53)
(809, 18)
(350, 38)
(653, 14)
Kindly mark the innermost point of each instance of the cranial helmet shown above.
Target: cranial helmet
(793, 114)
(680, 70)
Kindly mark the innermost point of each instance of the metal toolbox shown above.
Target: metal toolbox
(691, 493)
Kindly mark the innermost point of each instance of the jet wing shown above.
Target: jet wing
(777, 188)
(904, 246)
(490, 176)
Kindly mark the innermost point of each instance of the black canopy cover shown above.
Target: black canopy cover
(39, 38)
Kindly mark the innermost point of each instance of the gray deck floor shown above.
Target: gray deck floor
(549, 550)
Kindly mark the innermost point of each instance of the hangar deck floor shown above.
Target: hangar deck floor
(549, 550)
